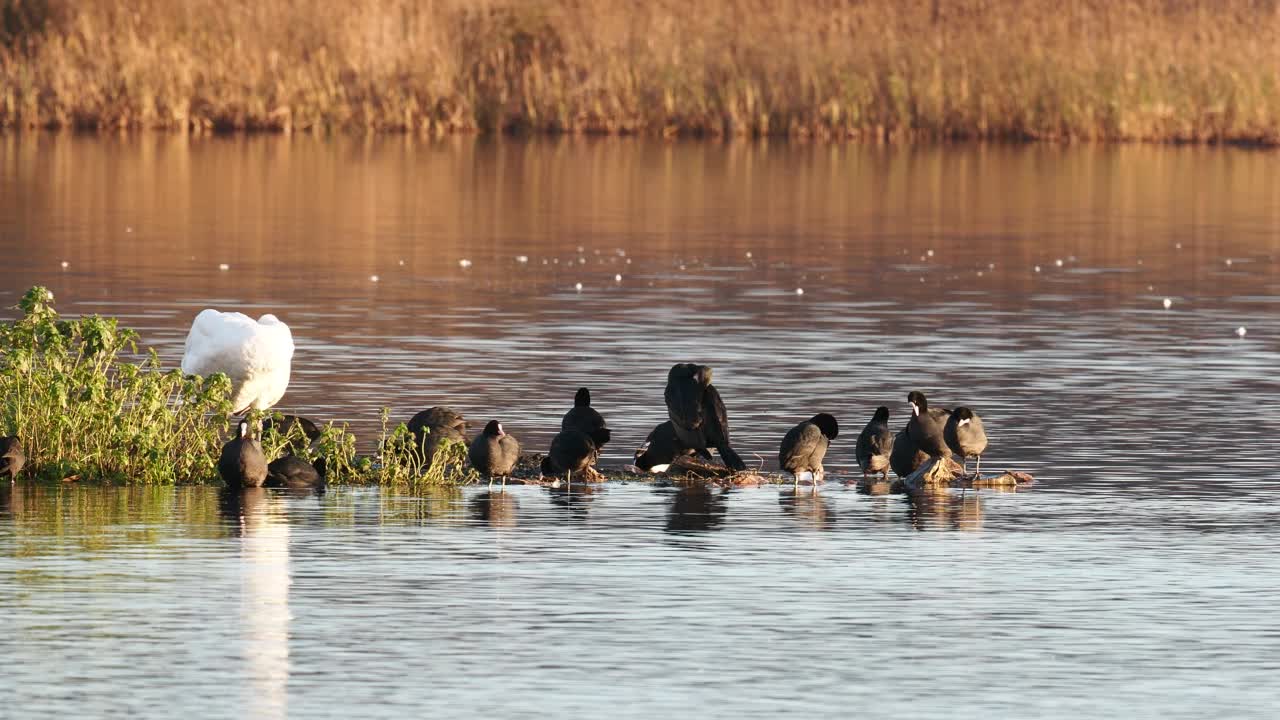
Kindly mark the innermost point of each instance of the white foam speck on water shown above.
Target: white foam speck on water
(578, 287)
(522, 259)
(464, 263)
(799, 291)
(748, 254)
(1037, 268)
(402, 263)
(1228, 262)
(1058, 262)
(1167, 303)
(929, 253)
(617, 278)
(224, 267)
(65, 264)
(1241, 331)
(373, 278)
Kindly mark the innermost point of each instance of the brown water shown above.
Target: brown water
(1135, 580)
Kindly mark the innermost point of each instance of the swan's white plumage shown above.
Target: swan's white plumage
(255, 354)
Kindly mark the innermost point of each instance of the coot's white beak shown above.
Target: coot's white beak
(915, 409)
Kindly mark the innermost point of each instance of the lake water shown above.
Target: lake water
(1135, 579)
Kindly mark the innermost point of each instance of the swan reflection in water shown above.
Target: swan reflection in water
(697, 507)
(495, 508)
(258, 519)
(811, 508)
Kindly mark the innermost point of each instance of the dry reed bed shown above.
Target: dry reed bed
(1167, 70)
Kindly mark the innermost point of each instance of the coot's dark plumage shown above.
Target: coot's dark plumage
(905, 456)
(697, 413)
(571, 451)
(875, 444)
(292, 425)
(966, 437)
(805, 445)
(660, 449)
(434, 426)
(292, 471)
(494, 453)
(242, 463)
(585, 419)
(926, 426)
(12, 459)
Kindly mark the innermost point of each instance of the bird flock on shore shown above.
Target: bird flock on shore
(697, 424)
(257, 357)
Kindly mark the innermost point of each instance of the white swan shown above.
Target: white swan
(255, 354)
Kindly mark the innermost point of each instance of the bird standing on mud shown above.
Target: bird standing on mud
(571, 451)
(804, 447)
(494, 453)
(697, 413)
(966, 437)
(875, 445)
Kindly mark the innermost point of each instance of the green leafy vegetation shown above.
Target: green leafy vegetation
(88, 406)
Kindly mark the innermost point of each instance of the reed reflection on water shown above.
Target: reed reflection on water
(1133, 580)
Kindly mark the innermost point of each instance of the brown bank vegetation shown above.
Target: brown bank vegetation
(1161, 70)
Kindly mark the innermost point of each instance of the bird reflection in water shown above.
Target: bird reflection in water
(944, 511)
(696, 508)
(807, 506)
(575, 500)
(259, 521)
(497, 509)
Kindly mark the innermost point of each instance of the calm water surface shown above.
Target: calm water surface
(1136, 579)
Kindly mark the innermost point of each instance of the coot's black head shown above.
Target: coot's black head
(882, 415)
(494, 429)
(962, 415)
(918, 403)
(689, 371)
(827, 424)
(660, 448)
(600, 436)
(583, 398)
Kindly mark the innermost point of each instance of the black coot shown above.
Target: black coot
(660, 449)
(697, 413)
(285, 425)
(926, 426)
(494, 453)
(805, 445)
(571, 451)
(905, 456)
(242, 463)
(292, 471)
(966, 436)
(585, 419)
(875, 444)
(433, 426)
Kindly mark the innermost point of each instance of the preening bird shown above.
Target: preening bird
(293, 424)
(242, 463)
(966, 437)
(697, 413)
(584, 418)
(905, 456)
(805, 445)
(255, 354)
(660, 449)
(875, 445)
(494, 453)
(433, 426)
(293, 472)
(571, 451)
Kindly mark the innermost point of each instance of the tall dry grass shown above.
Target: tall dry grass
(1177, 70)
